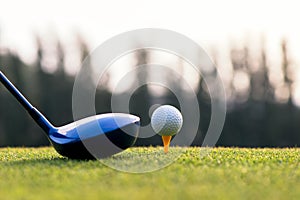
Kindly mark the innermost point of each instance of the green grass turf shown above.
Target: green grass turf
(224, 173)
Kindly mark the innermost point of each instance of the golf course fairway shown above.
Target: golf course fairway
(224, 173)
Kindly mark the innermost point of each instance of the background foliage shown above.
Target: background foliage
(262, 114)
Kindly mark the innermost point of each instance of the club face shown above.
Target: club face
(98, 136)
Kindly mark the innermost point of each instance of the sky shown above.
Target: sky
(207, 22)
(214, 24)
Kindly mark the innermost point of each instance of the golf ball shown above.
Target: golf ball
(166, 120)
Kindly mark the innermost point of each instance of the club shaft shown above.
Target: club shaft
(14, 91)
(34, 113)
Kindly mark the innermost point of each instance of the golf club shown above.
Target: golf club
(104, 134)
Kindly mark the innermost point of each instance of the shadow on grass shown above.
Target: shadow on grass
(135, 160)
(52, 162)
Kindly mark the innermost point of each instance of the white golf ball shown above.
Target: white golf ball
(166, 120)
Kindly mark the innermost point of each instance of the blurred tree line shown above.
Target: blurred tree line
(256, 117)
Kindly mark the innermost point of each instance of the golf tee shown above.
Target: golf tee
(166, 140)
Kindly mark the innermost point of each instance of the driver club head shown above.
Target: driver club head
(97, 136)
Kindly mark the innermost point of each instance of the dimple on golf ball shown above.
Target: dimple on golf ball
(166, 120)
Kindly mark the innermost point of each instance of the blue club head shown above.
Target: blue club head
(97, 136)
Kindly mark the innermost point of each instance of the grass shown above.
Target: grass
(223, 173)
